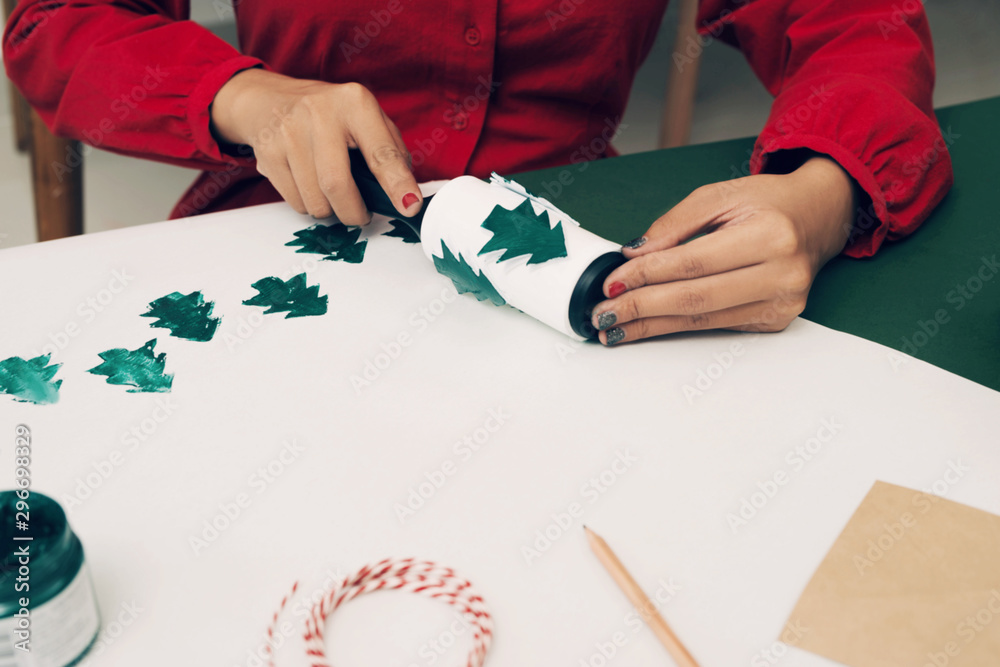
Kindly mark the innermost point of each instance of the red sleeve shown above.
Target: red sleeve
(130, 76)
(852, 79)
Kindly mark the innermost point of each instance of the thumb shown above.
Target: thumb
(693, 215)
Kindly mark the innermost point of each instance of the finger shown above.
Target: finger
(696, 212)
(724, 250)
(690, 298)
(333, 169)
(302, 164)
(386, 160)
(759, 316)
(280, 176)
(397, 137)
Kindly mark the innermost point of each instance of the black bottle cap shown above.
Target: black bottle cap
(589, 292)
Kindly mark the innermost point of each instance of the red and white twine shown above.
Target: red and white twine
(407, 574)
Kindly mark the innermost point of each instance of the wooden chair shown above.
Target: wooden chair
(58, 188)
(678, 104)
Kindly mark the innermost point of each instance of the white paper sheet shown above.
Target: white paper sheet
(659, 445)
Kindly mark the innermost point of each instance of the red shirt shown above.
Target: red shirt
(478, 86)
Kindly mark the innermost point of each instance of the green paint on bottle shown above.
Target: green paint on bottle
(522, 232)
(337, 242)
(465, 278)
(186, 316)
(142, 369)
(30, 381)
(293, 297)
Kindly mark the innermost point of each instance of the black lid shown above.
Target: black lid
(589, 292)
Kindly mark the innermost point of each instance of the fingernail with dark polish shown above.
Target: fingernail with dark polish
(605, 320)
(409, 199)
(615, 336)
(615, 289)
(636, 243)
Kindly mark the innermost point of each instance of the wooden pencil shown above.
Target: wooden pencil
(638, 598)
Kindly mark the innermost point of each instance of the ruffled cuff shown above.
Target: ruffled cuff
(900, 160)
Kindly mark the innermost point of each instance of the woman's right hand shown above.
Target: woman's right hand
(300, 132)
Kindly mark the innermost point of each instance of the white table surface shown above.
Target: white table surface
(569, 411)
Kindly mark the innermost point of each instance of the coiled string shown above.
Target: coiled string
(407, 574)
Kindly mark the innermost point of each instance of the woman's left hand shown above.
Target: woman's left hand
(765, 238)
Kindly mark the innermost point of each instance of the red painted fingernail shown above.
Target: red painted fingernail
(616, 288)
(409, 199)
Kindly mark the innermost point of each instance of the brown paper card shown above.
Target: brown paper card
(912, 581)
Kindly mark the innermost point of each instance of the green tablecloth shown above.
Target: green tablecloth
(909, 297)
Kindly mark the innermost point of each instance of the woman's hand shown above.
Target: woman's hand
(765, 239)
(300, 132)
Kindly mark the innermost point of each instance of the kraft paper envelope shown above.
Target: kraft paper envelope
(912, 581)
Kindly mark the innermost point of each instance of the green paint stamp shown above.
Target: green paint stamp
(141, 369)
(30, 381)
(292, 297)
(186, 316)
(336, 242)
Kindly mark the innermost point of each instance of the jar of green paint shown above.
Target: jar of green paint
(48, 611)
